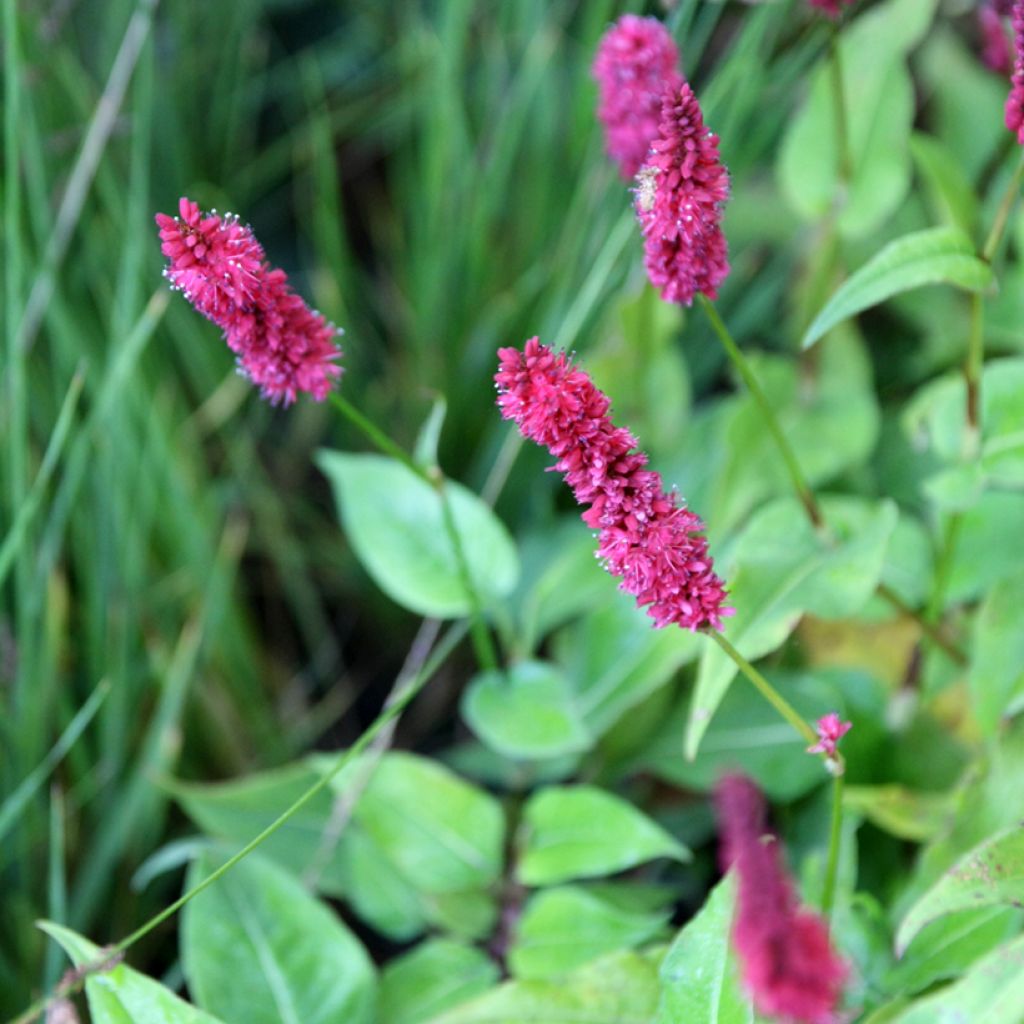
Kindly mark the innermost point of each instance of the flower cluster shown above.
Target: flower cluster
(830, 729)
(788, 965)
(995, 47)
(1015, 101)
(636, 60)
(281, 345)
(682, 189)
(645, 537)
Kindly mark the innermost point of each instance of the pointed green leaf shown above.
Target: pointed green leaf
(934, 256)
(396, 525)
(583, 832)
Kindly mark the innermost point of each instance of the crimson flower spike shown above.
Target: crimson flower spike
(655, 545)
(788, 965)
(636, 59)
(832, 8)
(1015, 101)
(680, 193)
(281, 345)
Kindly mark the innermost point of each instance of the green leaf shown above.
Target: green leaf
(395, 524)
(780, 567)
(443, 834)
(879, 114)
(582, 832)
(699, 975)
(615, 659)
(935, 256)
(996, 677)
(952, 192)
(902, 812)
(257, 947)
(565, 927)
(947, 947)
(528, 711)
(618, 989)
(988, 546)
(433, 977)
(992, 873)
(991, 992)
(121, 995)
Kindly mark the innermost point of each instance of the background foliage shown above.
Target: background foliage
(179, 603)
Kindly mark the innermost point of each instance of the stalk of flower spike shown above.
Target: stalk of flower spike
(1015, 100)
(788, 964)
(655, 545)
(635, 60)
(281, 345)
(682, 189)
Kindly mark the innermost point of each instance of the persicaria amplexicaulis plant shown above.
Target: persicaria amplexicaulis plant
(636, 61)
(281, 345)
(654, 544)
(788, 965)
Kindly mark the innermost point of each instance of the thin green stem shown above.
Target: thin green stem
(839, 105)
(483, 645)
(835, 836)
(933, 632)
(765, 688)
(972, 372)
(1002, 217)
(739, 360)
(392, 710)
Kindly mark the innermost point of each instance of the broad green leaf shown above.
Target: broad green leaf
(991, 874)
(779, 568)
(879, 114)
(121, 995)
(699, 975)
(433, 977)
(948, 946)
(991, 992)
(527, 711)
(565, 927)
(747, 734)
(997, 659)
(908, 814)
(618, 989)
(583, 832)
(934, 256)
(395, 523)
(615, 659)
(952, 192)
(443, 834)
(988, 546)
(257, 947)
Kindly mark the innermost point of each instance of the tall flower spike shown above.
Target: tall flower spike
(1015, 101)
(788, 964)
(645, 537)
(995, 47)
(281, 345)
(682, 189)
(636, 59)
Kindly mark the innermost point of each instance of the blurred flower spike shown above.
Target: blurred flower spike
(833, 8)
(1015, 101)
(788, 965)
(995, 45)
(830, 731)
(281, 345)
(679, 198)
(636, 60)
(655, 545)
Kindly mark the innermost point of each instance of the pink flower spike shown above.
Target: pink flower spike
(995, 51)
(788, 964)
(679, 199)
(645, 537)
(1015, 101)
(281, 345)
(830, 731)
(636, 59)
(830, 7)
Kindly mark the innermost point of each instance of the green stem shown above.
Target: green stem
(972, 373)
(929, 628)
(834, 838)
(1003, 213)
(111, 954)
(483, 645)
(839, 106)
(804, 492)
(765, 688)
